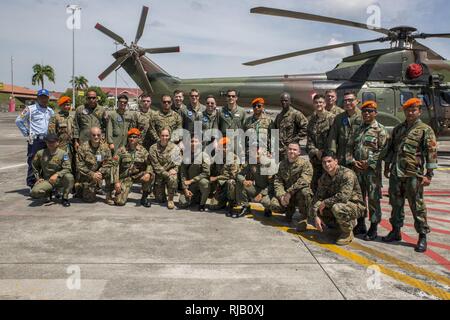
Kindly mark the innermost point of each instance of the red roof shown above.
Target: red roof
(24, 92)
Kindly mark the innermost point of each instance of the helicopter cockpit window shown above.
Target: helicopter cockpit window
(369, 96)
(425, 98)
(445, 98)
(405, 96)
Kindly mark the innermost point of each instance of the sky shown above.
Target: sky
(215, 36)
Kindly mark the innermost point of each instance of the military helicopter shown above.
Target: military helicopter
(389, 76)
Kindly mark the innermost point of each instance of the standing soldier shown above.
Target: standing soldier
(259, 125)
(224, 172)
(132, 166)
(411, 150)
(142, 117)
(195, 177)
(231, 116)
(340, 138)
(210, 121)
(165, 159)
(370, 143)
(33, 123)
(317, 134)
(338, 199)
(88, 116)
(254, 185)
(61, 124)
(292, 186)
(164, 118)
(291, 124)
(51, 168)
(193, 112)
(119, 122)
(331, 100)
(178, 98)
(94, 165)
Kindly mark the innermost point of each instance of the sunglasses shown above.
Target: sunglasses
(133, 137)
(257, 106)
(231, 96)
(368, 111)
(167, 102)
(96, 135)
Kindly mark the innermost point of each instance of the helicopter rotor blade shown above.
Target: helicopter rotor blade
(162, 50)
(433, 55)
(313, 17)
(432, 35)
(140, 29)
(113, 66)
(110, 34)
(141, 71)
(308, 51)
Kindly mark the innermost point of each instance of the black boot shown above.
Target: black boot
(65, 203)
(422, 243)
(202, 208)
(392, 236)
(245, 210)
(229, 212)
(144, 200)
(360, 227)
(267, 213)
(372, 234)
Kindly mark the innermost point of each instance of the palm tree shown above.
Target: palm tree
(80, 83)
(39, 72)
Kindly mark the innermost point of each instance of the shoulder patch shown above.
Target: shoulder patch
(66, 157)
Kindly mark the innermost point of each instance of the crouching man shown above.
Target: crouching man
(94, 165)
(338, 199)
(132, 165)
(292, 186)
(195, 177)
(52, 170)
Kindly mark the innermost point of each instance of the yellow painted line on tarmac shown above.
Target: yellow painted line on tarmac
(402, 264)
(363, 261)
(442, 169)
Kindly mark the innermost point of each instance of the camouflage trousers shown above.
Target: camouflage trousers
(407, 188)
(163, 182)
(200, 195)
(370, 183)
(89, 188)
(45, 188)
(224, 190)
(126, 184)
(344, 214)
(302, 200)
(244, 195)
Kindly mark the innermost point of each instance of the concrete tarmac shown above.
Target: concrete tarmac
(96, 251)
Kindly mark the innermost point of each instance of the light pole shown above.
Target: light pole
(73, 8)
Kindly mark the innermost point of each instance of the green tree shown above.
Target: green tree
(40, 72)
(80, 82)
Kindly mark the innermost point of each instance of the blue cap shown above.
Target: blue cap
(43, 92)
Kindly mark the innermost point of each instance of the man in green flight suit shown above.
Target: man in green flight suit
(119, 122)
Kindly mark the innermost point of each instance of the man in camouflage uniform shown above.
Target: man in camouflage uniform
(86, 117)
(193, 112)
(253, 184)
(165, 118)
(317, 131)
(142, 117)
(331, 101)
(132, 165)
(165, 159)
(195, 177)
(257, 129)
(369, 144)
(210, 121)
(340, 137)
(292, 186)
(178, 98)
(338, 199)
(291, 124)
(224, 170)
(51, 168)
(119, 122)
(411, 150)
(94, 165)
(61, 124)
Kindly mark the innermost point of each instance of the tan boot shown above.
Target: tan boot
(302, 226)
(345, 238)
(170, 204)
(109, 199)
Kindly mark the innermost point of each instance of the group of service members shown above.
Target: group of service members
(337, 187)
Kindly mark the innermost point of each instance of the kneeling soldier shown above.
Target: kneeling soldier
(195, 177)
(338, 199)
(164, 158)
(132, 166)
(94, 165)
(253, 184)
(51, 168)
